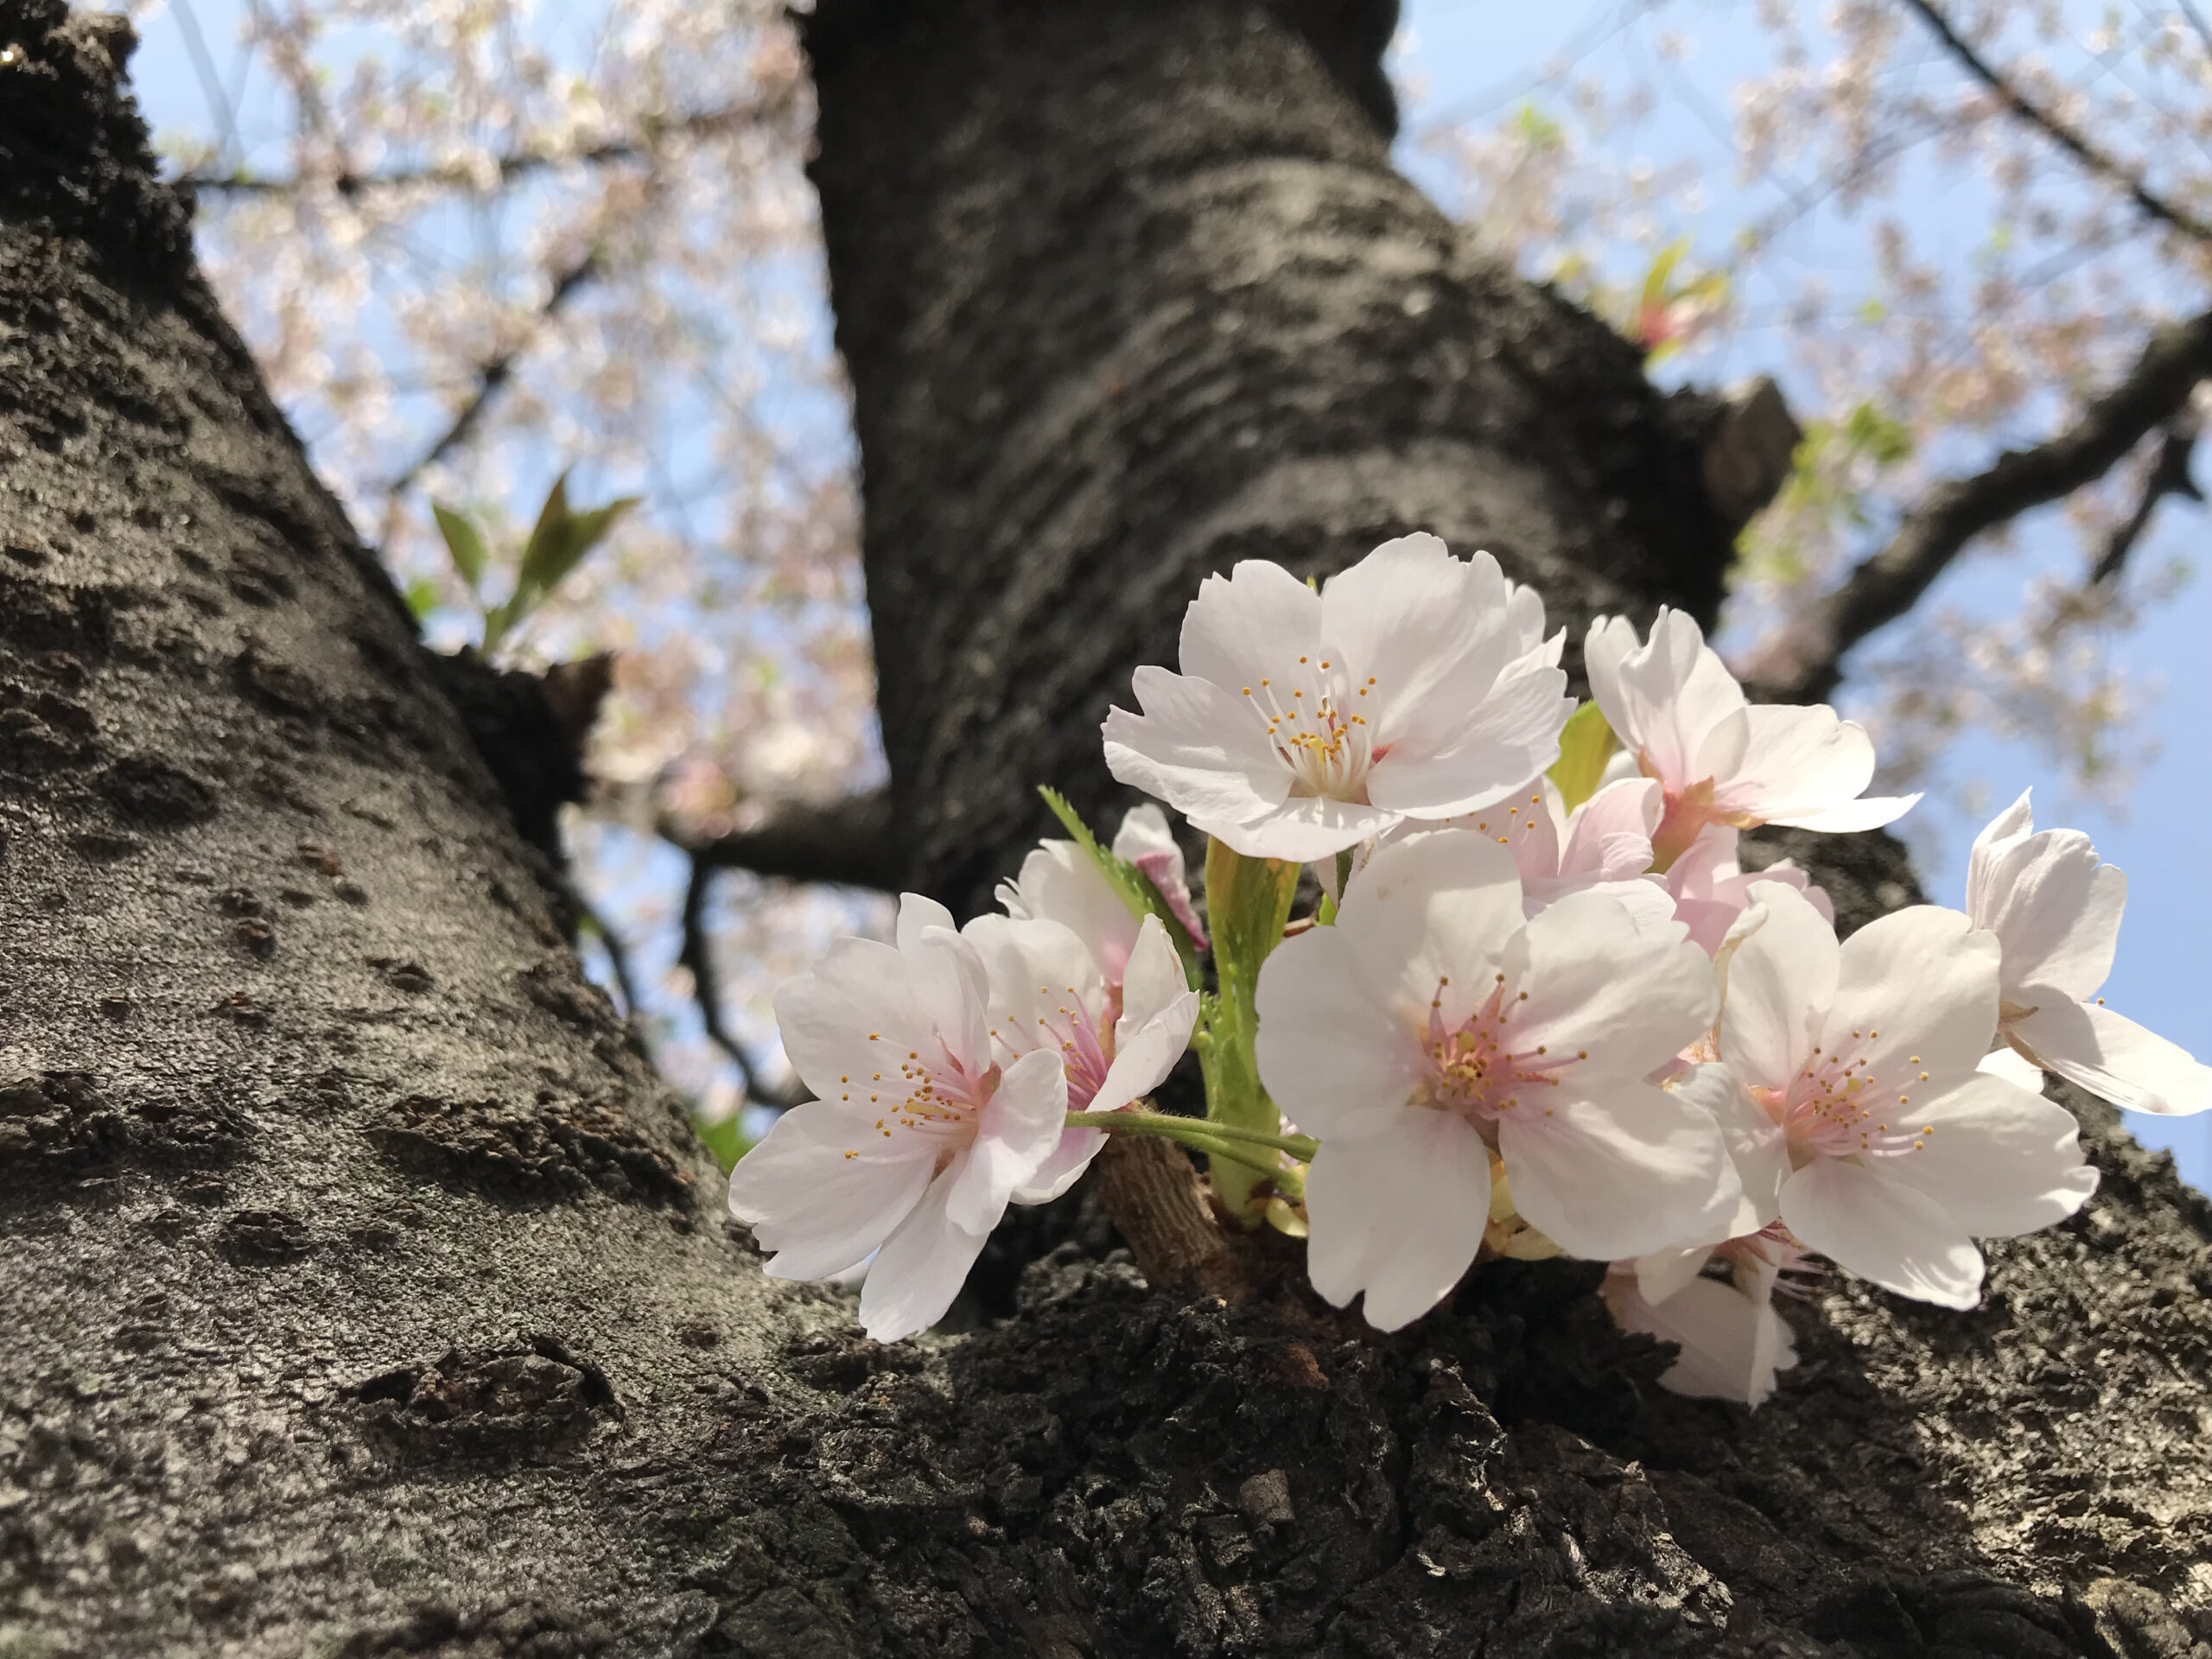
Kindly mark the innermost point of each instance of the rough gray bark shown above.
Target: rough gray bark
(365, 1292)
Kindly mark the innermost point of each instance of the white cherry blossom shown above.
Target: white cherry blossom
(1414, 684)
(1864, 1121)
(1115, 1039)
(918, 1138)
(2055, 908)
(1675, 707)
(1433, 1023)
(1732, 1342)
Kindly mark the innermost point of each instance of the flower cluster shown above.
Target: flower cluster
(1541, 1007)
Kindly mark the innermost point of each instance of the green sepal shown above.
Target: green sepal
(1248, 903)
(1585, 747)
(1131, 886)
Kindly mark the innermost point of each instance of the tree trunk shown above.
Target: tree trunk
(366, 1293)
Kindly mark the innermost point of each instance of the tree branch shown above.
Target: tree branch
(850, 842)
(697, 954)
(2096, 160)
(461, 176)
(493, 372)
(2169, 476)
(1801, 662)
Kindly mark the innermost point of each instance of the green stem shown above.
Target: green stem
(1300, 1146)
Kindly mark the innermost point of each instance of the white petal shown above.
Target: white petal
(859, 986)
(1594, 981)
(818, 1211)
(1604, 1180)
(1609, 834)
(1144, 831)
(1756, 1145)
(1428, 627)
(1302, 829)
(2116, 1059)
(2008, 1064)
(1797, 760)
(1885, 1231)
(1399, 1216)
(1198, 746)
(917, 914)
(1059, 883)
(2015, 822)
(1918, 982)
(920, 1268)
(1145, 1051)
(1664, 698)
(1660, 1273)
(2055, 909)
(1731, 1345)
(2001, 1161)
(1063, 1169)
(1020, 1128)
(1434, 906)
(1249, 624)
(1488, 751)
(1871, 812)
(1155, 977)
(1041, 976)
(954, 991)
(1334, 1055)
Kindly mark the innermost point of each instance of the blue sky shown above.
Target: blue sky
(1489, 55)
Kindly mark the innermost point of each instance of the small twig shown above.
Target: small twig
(618, 954)
(1801, 662)
(2169, 476)
(2096, 160)
(505, 169)
(850, 842)
(493, 373)
(697, 954)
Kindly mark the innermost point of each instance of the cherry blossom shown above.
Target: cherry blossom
(2055, 909)
(1732, 1340)
(1116, 1038)
(1711, 888)
(918, 1137)
(1433, 1023)
(1675, 707)
(1059, 883)
(1877, 1138)
(1414, 684)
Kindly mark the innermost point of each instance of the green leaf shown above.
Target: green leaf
(1131, 885)
(561, 539)
(725, 1140)
(463, 544)
(422, 597)
(1584, 747)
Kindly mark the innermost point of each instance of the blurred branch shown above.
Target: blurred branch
(2169, 476)
(697, 954)
(849, 841)
(1801, 661)
(493, 373)
(2095, 160)
(461, 175)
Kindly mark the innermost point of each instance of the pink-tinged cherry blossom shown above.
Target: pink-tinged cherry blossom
(1675, 707)
(1115, 1039)
(919, 1136)
(2055, 909)
(1711, 888)
(1059, 882)
(1433, 1023)
(1413, 685)
(1886, 1147)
